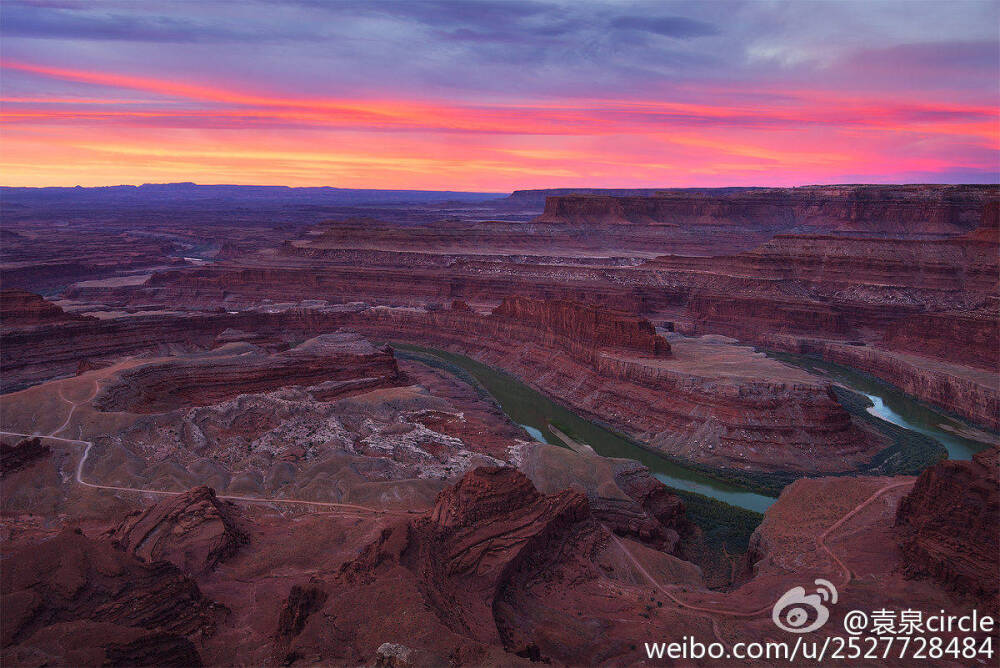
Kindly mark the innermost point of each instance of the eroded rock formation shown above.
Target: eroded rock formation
(949, 526)
(753, 416)
(898, 268)
(356, 555)
(20, 308)
(64, 586)
(454, 574)
(343, 362)
(700, 406)
(194, 531)
(586, 324)
(970, 392)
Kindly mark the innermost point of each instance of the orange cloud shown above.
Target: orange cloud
(215, 134)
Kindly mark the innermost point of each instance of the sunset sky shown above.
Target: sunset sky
(494, 96)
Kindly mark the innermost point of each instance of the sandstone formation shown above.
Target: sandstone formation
(35, 353)
(623, 495)
(861, 282)
(343, 361)
(497, 572)
(970, 392)
(375, 506)
(19, 308)
(63, 586)
(897, 210)
(494, 572)
(742, 413)
(21, 455)
(968, 338)
(194, 531)
(949, 527)
(899, 268)
(586, 324)
(750, 415)
(355, 439)
(301, 602)
(455, 575)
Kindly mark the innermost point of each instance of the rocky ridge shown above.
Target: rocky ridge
(195, 531)
(20, 308)
(65, 589)
(342, 362)
(454, 572)
(949, 527)
(585, 324)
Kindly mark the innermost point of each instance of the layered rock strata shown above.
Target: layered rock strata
(33, 353)
(607, 366)
(969, 392)
(456, 573)
(900, 268)
(115, 606)
(343, 362)
(894, 210)
(20, 308)
(779, 420)
(586, 324)
(949, 526)
(195, 531)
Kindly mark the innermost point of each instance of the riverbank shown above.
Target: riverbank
(891, 404)
(909, 452)
(972, 393)
(530, 408)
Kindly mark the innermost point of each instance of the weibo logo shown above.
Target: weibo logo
(798, 612)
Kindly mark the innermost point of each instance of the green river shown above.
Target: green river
(961, 439)
(535, 412)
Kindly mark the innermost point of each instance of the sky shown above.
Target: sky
(498, 95)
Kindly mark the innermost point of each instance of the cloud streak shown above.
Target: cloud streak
(495, 95)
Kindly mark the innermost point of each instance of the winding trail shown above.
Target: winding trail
(228, 497)
(73, 405)
(821, 539)
(820, 543)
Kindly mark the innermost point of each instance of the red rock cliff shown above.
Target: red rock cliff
(586, 324)
(899, 210)
(20, 308)
(194, 531)
(949, 526)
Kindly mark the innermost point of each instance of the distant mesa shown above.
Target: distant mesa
(862, 209)
(20, 308)
(187, 191)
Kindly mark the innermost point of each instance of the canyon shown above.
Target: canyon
(721, 405)
(905, 269)
(259, 437)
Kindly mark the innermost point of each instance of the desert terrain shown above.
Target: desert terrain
(320, 427)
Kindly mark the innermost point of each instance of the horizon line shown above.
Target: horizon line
(494, 192)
